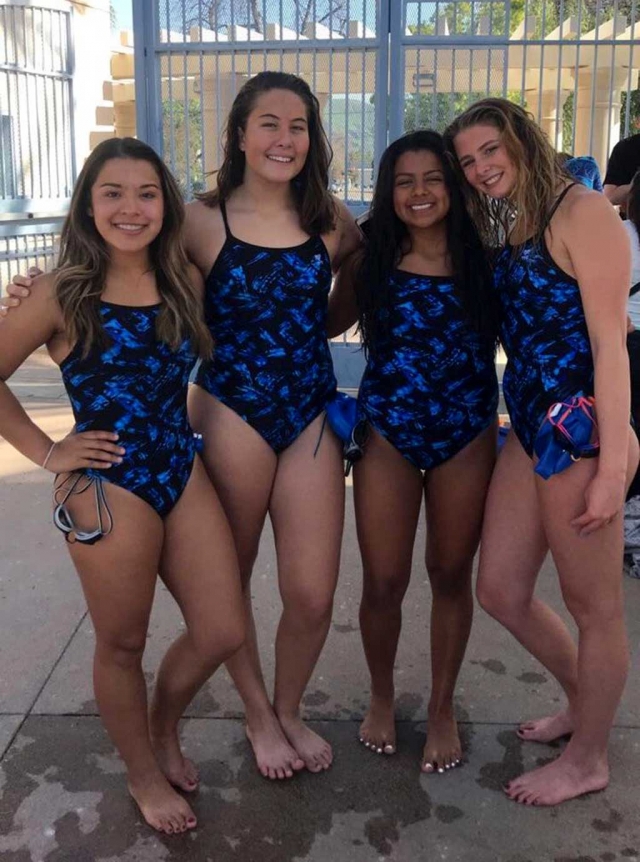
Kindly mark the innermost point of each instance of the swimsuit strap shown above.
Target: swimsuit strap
(557, 203)
(223, 210)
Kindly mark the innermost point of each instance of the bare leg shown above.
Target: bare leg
(590, 576)
(118, 576)
(387, 494)
(455, 497)
(242, 467)
(307, 512)
(512, 551)
(199, 566)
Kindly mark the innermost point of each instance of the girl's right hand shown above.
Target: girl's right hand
(95, 449)
(18, 290)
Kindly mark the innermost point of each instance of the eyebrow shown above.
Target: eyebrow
(425, 174)
(276, 117)
(119, 185)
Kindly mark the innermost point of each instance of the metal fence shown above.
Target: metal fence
(37, 165)
(381, 67)
(25, 243)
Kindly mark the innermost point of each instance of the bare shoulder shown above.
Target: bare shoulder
(204, 234)
(582, 205)
(196, 279)
(346, 237)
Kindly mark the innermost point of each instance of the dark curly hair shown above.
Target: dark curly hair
(388, 241)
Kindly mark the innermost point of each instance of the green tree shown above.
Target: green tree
(185, 130)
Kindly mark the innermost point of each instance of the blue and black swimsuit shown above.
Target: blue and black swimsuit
(430, 386)
(267, 311)
(544, 333)
(136, 386)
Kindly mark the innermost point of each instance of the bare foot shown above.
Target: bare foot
(160, 805)
(556, 782)
(178, 769)
(547, 729)
(378, 730)
(275, 758)
(314, 751)
(442, 750)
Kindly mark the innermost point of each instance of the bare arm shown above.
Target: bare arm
(599, 251)
(36, 323)
(351, 237)
(343, 307)
(617, 194)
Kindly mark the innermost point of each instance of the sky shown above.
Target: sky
(123, 11)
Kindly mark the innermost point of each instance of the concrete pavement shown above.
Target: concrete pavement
(62, 795)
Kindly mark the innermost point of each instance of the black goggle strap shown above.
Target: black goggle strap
(62, 517)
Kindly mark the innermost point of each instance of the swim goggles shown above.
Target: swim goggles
(568, 433)
(352, 430)
(62, 517)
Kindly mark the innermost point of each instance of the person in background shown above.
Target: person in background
(624, 161)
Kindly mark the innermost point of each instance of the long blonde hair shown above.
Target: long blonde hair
(84, 259)
(539, 172)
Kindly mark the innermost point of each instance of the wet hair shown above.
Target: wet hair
(540, 174)
(83, 262)
(389, 241)
(633, 201)
(314, 203)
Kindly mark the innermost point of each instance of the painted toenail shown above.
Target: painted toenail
(440, 769)
(389, 749)
(379, 750)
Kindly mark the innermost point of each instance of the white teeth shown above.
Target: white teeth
(492, 180)
(284, 159)
(421, 206)
(130, 227)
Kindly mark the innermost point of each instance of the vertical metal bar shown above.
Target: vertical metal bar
(559, 103)
(363, 135)
(203, 166)
(627, 111)
(29, 113)
(381, 83)
(146, 28)
(396, 69)
(347, 102)
(543, 33)
(187, 112)
(611, 68)
(576, 74)
(595, 75)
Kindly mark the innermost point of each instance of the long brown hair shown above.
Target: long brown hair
(84, 259)
(314, 203)
(540, 174)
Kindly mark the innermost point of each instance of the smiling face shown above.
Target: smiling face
(485, 161)
(275, 140)
(127, 204)
(420, 195)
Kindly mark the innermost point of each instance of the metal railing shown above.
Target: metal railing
(25, 243)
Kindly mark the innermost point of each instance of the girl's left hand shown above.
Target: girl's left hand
(604, 498)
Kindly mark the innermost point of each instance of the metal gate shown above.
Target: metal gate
(380, 67)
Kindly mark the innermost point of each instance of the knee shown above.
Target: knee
(589, 614)
(218, 643)
(311, 609)
(124, 650)
(450, 580)
(383, 593)
(494, 598)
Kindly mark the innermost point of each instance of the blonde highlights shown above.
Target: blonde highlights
(540, 174)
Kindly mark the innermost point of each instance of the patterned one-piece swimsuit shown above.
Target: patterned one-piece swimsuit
(544, 333)
(267, 311)
(137, 387)
(430, 386)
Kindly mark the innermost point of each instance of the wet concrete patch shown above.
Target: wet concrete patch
(64, 801)
(8, 726)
